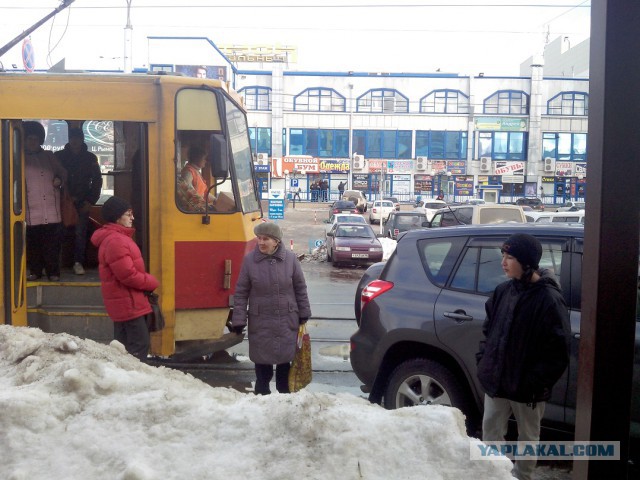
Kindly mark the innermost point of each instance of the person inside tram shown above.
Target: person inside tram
(192, 187)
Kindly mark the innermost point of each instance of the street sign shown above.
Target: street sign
(28, 56)
(276, 209)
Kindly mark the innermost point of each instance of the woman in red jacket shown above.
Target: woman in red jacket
(124, 278)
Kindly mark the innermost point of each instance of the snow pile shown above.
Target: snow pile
(73, 408)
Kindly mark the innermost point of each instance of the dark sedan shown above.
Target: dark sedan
(399, 222)
(354, 244)
(343, 206)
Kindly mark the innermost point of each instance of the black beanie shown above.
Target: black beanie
(114, 208)
(524, 248)
(76, 132)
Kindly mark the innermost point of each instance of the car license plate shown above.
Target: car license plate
(359, 255)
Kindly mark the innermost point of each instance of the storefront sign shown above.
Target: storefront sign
(502, 124)
(457, 167)
(564, 169)
(331, 165)
(422, 183)
(400, 166)
(504, 168)
(262, 168)
(360, 181)
(463, 185)
(287, 165)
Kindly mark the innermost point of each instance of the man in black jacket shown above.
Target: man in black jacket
(84, 183)
(525, 348)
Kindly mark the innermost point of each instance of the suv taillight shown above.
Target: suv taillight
(373, 290)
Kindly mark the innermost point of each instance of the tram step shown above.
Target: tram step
(63, 293)
(81, 321)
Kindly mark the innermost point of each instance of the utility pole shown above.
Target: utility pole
(128, 41)
(27, 32)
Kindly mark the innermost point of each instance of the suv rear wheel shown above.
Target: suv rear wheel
(424, 382)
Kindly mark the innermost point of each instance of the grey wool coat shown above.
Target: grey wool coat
(271, 294)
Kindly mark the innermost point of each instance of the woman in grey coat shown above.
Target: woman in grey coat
(271, 294)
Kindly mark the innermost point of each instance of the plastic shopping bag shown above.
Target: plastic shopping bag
(300, 372)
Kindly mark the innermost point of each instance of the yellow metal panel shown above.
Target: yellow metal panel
(191, 324)
(46, 96)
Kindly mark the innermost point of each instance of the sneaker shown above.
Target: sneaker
(78, 269)
(33, 277)
(54, 278)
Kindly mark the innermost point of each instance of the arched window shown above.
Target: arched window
(383, 100)
(507, 102)
(445, 101)
(319, 99)
(569, 103)
(256, 98)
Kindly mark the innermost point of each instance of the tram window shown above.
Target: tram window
(197, 118)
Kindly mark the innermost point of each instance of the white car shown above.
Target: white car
(430, 207)
(342, 218)
(380, 211)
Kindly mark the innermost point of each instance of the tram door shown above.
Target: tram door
(13, 302)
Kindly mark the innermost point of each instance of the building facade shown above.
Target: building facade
(413, 135)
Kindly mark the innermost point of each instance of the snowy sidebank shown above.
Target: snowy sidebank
(73, 408)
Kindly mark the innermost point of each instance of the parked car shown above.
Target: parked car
(358, 197)
(430, 207)
(395, 201)
(559, 217)
(343, 206)
(336, 218)
(571, 206)
(477, 214)
(532, 202)
(421, 319)
(380, 211)
(353, 243)
(399, 222)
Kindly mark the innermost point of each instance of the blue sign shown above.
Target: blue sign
(262, 168)
(294, 182)
(276, 209)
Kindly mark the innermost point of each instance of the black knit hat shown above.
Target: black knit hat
(114, 208)
(34, 128)
(269, 229)
(524, 248)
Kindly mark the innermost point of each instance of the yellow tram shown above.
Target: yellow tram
(141, 127)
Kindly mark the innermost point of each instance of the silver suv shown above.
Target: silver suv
(421, 319)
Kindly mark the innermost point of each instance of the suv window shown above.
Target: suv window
(481, 267)
(439, 257)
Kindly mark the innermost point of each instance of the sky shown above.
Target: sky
(72, 408)
(421, 36)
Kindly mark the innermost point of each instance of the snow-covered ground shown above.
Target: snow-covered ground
(72, 408)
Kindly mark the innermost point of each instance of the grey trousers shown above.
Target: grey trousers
(495, 422)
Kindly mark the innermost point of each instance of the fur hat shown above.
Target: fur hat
(269, 229)
(524, 248)
(34, 128)
(76, 133)
(114, 208)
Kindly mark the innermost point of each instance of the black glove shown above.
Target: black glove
(238, 330)
(303, 320)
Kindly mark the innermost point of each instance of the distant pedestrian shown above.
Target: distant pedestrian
(124, 278)
(324, 187)
(525, 348)
(341, 186)
(271, 296)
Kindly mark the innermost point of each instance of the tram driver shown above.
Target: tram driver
(192, 188)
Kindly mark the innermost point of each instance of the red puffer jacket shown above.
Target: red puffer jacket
(122, 273)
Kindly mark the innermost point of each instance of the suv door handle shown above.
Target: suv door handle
(458, 316)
